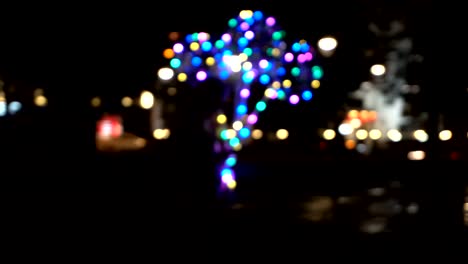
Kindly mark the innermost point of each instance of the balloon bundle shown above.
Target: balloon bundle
(255, 65)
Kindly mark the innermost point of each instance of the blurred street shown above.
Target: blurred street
(338, 130)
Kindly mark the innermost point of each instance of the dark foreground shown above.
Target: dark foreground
(310, 206)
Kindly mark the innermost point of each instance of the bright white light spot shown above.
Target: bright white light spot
(165, 74)
(377, 70)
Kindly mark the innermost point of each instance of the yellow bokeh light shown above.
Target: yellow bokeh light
(276, 52)
(355, 122)
(40, 100)
(353, 114)
(182, 77)
(315, 84)
(445, 135)
(96, 101)
(257, 134)
(243, 57)
(245, 14)
(127, 101)
(237, 147)
(231, 185)
(420, 135)
(361, 134)
(146, 100)
(276, 85)
(210, 61)
(221, 119)
(329, 134)
(282, 134)
(394, 135)
(287, 83)
(161, 133)
(194, 46)
(247, 66)
(375, 134)
(231, 133)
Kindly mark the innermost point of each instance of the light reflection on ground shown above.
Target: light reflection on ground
(126, 142)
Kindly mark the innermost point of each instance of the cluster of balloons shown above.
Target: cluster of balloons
(255, 65)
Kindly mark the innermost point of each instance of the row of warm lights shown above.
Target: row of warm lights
(356, 118)
(227, 171)
(229, 134)
(393, 134)
(109, 128)
(239, 131)
(145, 100)
(280, 134)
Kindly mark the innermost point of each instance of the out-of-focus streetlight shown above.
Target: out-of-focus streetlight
(165, 74)
(146, 100)
(378, 69)
(327, 46)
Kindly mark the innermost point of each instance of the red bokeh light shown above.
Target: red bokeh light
(109, 126)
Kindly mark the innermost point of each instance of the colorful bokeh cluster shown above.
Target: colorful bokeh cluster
(256, 65)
